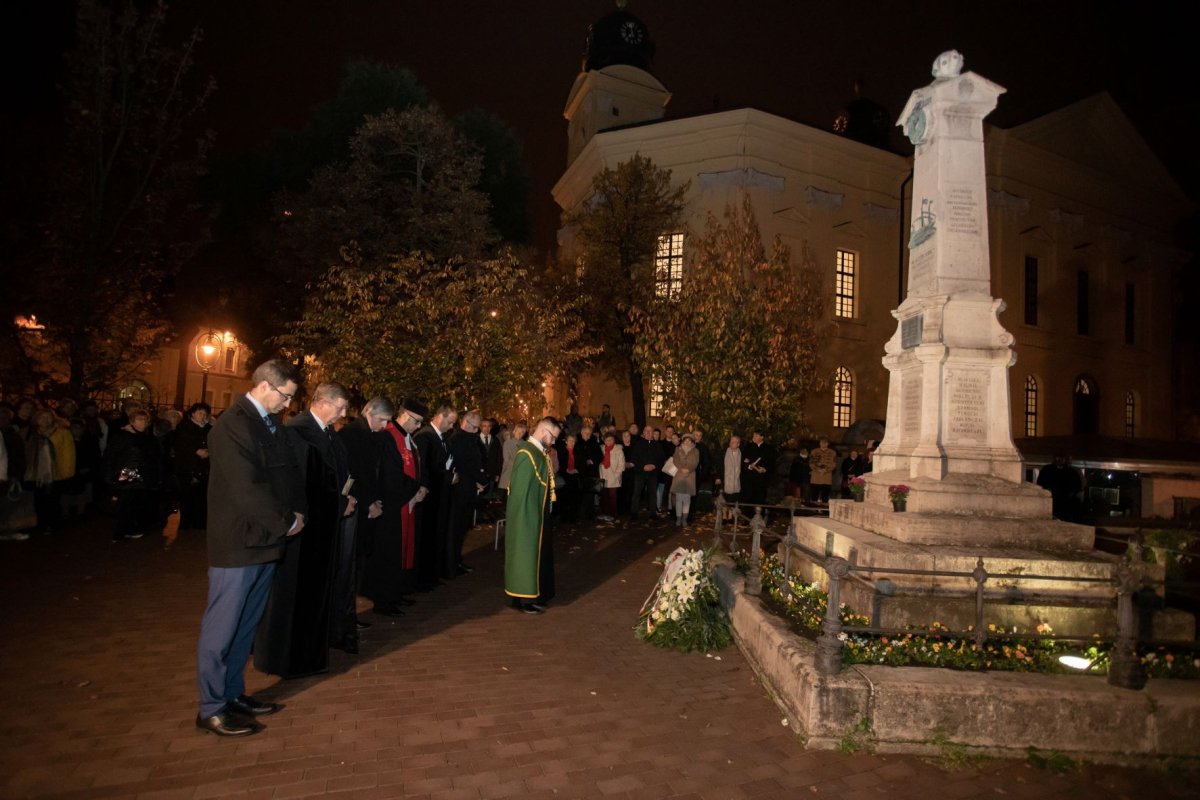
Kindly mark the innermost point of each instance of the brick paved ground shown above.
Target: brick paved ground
(462, 698)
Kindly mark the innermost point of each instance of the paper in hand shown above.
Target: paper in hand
(346, 488)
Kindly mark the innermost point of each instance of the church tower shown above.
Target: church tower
(615, 87)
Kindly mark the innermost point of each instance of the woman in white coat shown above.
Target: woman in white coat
(612, 466)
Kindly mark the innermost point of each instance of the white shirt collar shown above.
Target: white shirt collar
(262, 411)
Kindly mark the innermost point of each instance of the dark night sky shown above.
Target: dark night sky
(273, 60)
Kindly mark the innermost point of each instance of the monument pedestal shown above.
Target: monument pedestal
(1080, 601)
(964, 510)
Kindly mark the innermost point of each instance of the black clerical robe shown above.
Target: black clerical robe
(392, 565)
(434, 520)
(293, 637)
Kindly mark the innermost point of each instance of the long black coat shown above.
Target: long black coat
(293, 637)
(754, 484)
(433, 522)
(388, 577)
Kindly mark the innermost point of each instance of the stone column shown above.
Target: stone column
(948, 397)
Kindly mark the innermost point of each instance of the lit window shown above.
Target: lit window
(668, 265)
(230, 358)
(844, 284)
(1031, 406)
(843, 398)
(658, 396)
(1130, 414)
(1083, 386)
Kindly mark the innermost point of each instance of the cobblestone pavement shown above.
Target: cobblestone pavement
(461, 698)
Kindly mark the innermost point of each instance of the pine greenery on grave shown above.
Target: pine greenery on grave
(934, 645)
(684, 611)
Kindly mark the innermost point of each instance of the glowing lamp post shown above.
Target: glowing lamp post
(208, 350)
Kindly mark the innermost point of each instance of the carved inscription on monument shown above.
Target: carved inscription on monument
(911, 404)
(966, 405)
(963, 209)
(911, 330)
(920, 269)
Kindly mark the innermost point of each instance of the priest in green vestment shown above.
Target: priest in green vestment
(528, 545)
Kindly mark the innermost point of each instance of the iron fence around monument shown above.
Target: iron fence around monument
(1126, 669)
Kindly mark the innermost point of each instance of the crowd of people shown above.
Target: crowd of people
(70, 459)
(306, 512)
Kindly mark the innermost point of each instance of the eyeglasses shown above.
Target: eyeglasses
(282, 393)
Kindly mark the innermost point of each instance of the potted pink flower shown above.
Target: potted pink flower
(857, 487)
(898, 494)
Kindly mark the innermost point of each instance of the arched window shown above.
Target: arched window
(843, 398)
(1031, 406)
(1130, 414)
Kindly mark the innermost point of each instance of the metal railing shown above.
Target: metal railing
(1126, 670)
(721, 505)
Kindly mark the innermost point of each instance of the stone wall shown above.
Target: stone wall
(922, 710)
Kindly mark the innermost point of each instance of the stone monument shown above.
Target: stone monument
(949, 434)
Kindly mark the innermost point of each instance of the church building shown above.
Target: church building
(1080, 216)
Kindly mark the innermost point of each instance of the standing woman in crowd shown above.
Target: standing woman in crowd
(731, 476)
(190, 445)
(133, 467)
(510, 452)
(683, 485)
(612, 467)
(49, 466)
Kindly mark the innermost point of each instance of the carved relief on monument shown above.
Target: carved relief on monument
(966, 406)
(910, 407)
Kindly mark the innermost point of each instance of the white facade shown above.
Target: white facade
(1077, 190)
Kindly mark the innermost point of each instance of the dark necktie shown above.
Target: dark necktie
(270, 424)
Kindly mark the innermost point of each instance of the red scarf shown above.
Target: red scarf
(608, 448)
(570, 459)
(408, 520)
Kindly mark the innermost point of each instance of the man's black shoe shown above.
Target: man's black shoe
(388, 611)
(362, 626)
(225, 724)
(540, 608)
(248, 706)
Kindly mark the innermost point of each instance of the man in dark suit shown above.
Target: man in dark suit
(589, 455)
(469, 482)
(493, 462)
(255, 501)
(363, 439)
(434, 520)
(293, 638)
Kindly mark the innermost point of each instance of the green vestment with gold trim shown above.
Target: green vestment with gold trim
(529, 488)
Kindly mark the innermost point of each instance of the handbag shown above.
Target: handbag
(669, 467)
(16, 509)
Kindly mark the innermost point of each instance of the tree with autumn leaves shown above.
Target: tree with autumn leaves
(408, 292)
(617, 233)
(477, 334)
(739, 348)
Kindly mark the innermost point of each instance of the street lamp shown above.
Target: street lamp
(208, 350)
